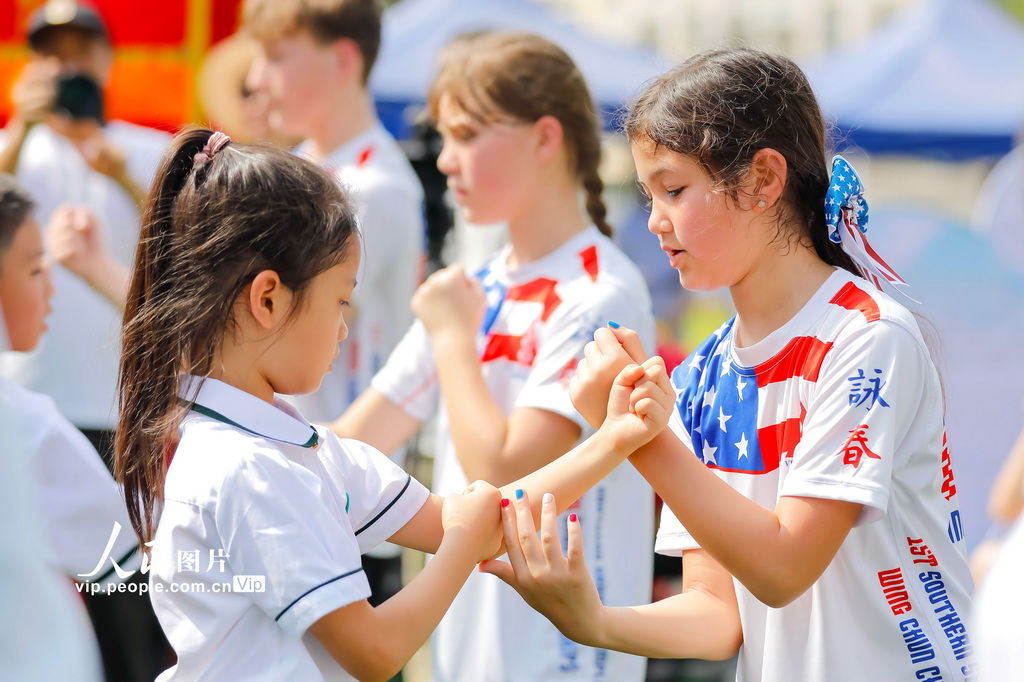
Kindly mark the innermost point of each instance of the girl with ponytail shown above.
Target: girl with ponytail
(809, 487)
(256, 519)
(492, 353)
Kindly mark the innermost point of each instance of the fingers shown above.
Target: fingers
(549, 540)
(577, 560)
(513, 546)
(629, 340)
(526, 530)
(501, 569)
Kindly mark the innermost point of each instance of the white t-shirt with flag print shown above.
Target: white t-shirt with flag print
(539, 317)
(843, 402)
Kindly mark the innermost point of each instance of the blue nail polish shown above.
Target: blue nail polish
(614, 325)
(519, 494)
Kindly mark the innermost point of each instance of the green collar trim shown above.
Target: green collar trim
(314, 440)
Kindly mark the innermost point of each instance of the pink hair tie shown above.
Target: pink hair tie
(213, 145)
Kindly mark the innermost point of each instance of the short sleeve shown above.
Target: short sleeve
(865, 400)
(273, 522)
(382, 496)
(82, 505)
(409, 377)
(570, 329)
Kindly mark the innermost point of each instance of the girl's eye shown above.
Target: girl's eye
(675, 192)
(345, 304)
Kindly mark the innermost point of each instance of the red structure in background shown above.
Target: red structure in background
(159, 46)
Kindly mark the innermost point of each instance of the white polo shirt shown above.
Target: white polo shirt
(78, 501)
(46, 633)
(76, 360)
(264, 520)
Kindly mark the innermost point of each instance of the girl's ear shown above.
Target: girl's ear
(268, 299)
(766, 180)
(549, 137)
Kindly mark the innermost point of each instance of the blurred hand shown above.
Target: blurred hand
(557, 586)
(472, 517)
(603, 358)
(74, 239)
(35, 91)
(104, 157)
(450, 300)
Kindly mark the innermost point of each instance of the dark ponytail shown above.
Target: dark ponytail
(208, 229)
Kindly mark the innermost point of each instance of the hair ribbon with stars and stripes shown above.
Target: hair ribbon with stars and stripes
(846, 213)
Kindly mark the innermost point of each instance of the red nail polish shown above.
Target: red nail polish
(573, 518)
(504, 502)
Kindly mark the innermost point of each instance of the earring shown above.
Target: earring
(762, 203)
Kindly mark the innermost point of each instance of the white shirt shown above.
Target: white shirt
(389, 198)
(539, 318)
(47, 634)
(255, 495)
(78, 501)
(843, 403)
(997, 623)
(76, 360)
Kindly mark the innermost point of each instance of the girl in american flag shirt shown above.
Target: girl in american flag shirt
(809, 487)
(491, 354)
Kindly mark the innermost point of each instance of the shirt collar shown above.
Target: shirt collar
(225, 403)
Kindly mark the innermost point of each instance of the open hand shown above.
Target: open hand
(560, 587)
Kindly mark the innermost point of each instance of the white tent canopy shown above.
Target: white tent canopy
(415, 32)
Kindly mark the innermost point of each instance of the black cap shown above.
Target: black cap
(57, 13)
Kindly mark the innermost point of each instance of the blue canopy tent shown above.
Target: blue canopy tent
(415, 32)
(943, 78)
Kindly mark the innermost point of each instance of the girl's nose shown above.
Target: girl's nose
(658, 224)
(446, 160)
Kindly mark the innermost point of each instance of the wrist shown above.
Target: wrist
(450, 338)
(458, 546)
(612, 443)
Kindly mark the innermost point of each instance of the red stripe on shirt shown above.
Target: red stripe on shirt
(853, 297)
(802, 357)
(364, 156)
(540, 290)
(590, 264)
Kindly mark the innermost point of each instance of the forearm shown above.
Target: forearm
(111, 281)
(17, 131)
(405, 621)
(747, 539)
(572, 474)
(477, 423)
(690, 625)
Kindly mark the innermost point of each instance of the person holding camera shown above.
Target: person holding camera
(83, 170)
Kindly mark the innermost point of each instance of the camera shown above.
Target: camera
(79, 97)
